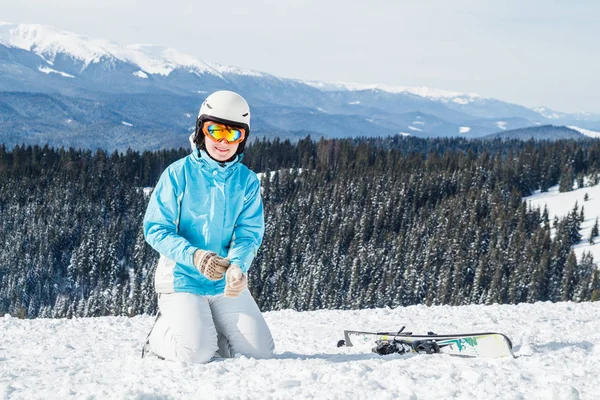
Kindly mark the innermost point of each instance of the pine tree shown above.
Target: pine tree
(568, 278)
(594, 233)
(566, 180)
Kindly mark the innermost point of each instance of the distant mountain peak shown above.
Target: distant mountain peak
(579, 116)
(184, 60)
(48, 42)
(548, 113)
(421, 91)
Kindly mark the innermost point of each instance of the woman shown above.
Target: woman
(205, 218)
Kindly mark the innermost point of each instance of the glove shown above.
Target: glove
(210, 264)
(235, 281)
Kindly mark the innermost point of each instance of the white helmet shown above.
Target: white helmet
(226, 107)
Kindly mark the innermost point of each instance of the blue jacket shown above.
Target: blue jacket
(199, 203)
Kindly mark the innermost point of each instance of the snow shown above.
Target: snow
(422, 91)
(501, 125)
(547, 113)
(560, 204)
(141, 74)
(461, 100)
(464, 129)
(47, 70)
(47, 42)
(585, 132)
(556, 349)
(413, 128)
(271, 174)
(126, 123)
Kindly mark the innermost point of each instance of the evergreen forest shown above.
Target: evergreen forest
(350, 223)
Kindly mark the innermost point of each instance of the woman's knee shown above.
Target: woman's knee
(197, 354)
(189, 333)
(265, 350)
(261, 347)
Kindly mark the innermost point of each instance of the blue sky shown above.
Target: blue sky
(527, 52)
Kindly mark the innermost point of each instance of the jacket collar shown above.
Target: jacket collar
(205, 160)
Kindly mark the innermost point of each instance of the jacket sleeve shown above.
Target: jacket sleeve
(249, 229)
(161, 221)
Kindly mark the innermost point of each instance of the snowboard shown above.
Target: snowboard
(485, 344)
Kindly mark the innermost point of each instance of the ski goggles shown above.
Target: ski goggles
(218, 132)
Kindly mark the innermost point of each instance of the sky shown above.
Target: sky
(529, 52)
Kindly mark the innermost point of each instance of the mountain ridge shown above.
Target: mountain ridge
(128, 83)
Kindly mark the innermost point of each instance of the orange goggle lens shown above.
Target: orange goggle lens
(218, 132)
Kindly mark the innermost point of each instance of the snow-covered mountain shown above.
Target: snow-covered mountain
(62, 88)
(51, 44)
(429, 93)
(556, 348)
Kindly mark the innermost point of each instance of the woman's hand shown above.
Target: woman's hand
(210, 264)
(235, 281)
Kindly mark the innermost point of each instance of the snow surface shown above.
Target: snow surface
(47, 70)
(501, 125)
(461, 100)
(560, 204)
(556, 348)
(585, 132)
(141, 74)
(464, 129)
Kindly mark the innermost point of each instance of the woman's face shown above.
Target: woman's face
(220, 151)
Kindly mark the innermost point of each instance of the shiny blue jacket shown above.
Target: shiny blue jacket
(199, 203)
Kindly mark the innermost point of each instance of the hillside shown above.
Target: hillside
(543, 132)
(560, 204)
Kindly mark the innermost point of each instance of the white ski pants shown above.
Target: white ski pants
(192, 328)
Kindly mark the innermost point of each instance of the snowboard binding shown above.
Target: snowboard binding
(385, 347)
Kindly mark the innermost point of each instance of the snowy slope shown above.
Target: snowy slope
(556, 347)
(560, 204)
(586, 132)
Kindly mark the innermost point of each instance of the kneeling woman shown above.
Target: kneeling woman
(205, 218)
